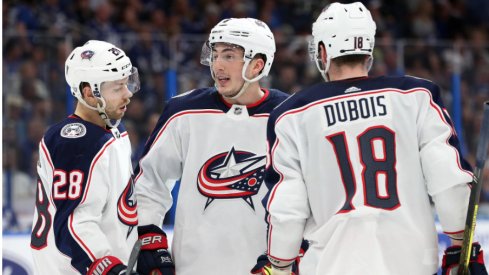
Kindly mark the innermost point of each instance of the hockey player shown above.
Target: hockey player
(214, 140)
(355, 159)
(85, 202)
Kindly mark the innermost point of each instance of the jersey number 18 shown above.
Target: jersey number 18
(374, 167)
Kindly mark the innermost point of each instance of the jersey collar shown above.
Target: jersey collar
(260, 101)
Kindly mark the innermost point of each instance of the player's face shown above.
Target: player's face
(117, 97)
(227, 65)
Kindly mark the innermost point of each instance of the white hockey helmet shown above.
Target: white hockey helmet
(94, 63)
(344, 29)
(251, 34)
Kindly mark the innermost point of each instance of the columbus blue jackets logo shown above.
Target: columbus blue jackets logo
(73, 130)
(230, 175)
(127, 206)
(87, 54)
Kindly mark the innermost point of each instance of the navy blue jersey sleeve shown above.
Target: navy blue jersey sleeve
(72, 159)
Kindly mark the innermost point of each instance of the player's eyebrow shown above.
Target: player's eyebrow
(227, 49)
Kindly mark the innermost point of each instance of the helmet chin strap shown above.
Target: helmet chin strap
(101, 111)
(241, 91)
(324, 72)
(105, 117)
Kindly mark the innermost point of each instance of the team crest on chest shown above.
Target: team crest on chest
(73, 130)
(230, 175)
(127, 206)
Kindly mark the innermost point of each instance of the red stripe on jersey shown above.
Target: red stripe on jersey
(97, 157)
(261, 115)
(45, 150)
(452, 233)
(42, 145)
(280, 259)
(272, 195)
(260, 101)
(99, 154)
(79, 240)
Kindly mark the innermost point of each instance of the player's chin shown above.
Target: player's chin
(118, 115)
(227, 92)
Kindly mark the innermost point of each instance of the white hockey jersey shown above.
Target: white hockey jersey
(353, 163)
(85, 202)
(219, 153)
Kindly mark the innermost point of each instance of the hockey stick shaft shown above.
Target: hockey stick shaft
(133, 258)
(481, 155)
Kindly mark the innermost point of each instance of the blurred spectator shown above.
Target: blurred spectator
(422, 24)
(18, 193)
(101, 26)
(28, 149)
(286, 80)
(14, 121)
(27, 83)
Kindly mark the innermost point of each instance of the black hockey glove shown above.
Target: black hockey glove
(108, 265)
(264, 267)
(451, 258)
(154, 257)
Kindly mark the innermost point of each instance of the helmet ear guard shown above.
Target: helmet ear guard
(344, 29)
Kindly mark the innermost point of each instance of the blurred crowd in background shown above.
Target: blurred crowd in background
(433, 39)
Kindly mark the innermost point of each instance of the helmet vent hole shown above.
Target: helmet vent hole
(119, 57)
(114, 70)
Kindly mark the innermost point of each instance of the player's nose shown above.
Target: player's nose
(127, 92)
(218, 64)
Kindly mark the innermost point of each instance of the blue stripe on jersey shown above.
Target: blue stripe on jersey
(206, 99)
(326, 90)
(69, 154)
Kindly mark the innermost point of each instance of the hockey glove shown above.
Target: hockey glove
(264, 267)
(451, 258)
(154, 257)
(108, 265)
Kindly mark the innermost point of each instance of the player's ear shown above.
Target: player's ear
(257, 65)
(323, 53)
(86, 91)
